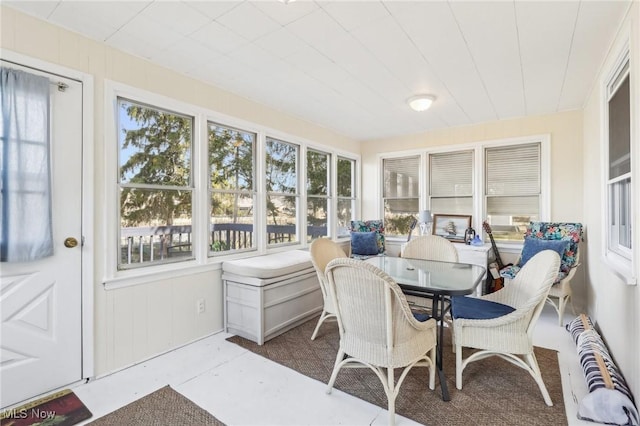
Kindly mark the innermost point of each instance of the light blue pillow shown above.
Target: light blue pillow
(533, 246)
(364, 243)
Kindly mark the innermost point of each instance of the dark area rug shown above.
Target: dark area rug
(494, 391)
(162, 407)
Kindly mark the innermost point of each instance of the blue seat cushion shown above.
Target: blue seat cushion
(421, 316)
(364, 243)
(473, 308)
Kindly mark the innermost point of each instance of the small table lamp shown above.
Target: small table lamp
(425, 220)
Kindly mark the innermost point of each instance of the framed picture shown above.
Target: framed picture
(451, 226)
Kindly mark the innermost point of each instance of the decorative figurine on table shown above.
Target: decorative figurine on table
(477, 241)
(469, 235)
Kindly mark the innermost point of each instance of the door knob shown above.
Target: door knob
(70, 242)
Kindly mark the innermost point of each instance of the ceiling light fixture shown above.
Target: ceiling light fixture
(421, 102)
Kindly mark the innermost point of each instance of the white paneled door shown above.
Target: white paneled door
(41, 301)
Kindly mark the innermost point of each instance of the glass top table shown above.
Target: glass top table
(431, 276)
(435, 280)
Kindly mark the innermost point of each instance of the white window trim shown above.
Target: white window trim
(355, 190)
(624, 268)
(202, 262)
(478, 179)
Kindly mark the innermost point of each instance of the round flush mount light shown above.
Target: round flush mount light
(421, 102)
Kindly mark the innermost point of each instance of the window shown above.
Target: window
(190, 187)
(512, 189)
(318, 185)
(505, 182)
(282, 191)
(451, 182)
(346, 180)
(231, 177)
(155, 181)
(401, 193)
(618, 116)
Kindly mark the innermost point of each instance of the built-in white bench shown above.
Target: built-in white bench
(264, 296)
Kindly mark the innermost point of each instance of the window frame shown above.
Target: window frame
(479, 204)
(622, 261)
(383, 198)
(252, 192)
(355, 190)
(300, 212)
(112, 277)
(328, 197)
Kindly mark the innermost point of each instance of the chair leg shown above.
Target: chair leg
(561, 304)
(336, 369)
(458, 366)
(391, 396)
(537, 376)
(323, 317)
(432, 369)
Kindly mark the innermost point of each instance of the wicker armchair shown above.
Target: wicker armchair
(323, 251)
(507, 332)
(377, 329)
(560, 292)
(429, 247)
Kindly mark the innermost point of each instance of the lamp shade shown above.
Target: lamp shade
(425, 216)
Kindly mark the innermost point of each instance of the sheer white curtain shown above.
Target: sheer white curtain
(25, 175)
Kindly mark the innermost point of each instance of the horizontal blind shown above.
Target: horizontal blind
(402, 205)
(513, 170)
(401, 177)
(513, 206)
(452, 205)
(451, 174)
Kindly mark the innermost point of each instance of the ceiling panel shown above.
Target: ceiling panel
(281, 43)
(285, 13)
(142, 36)
(590, 43)
(433, 29)
(546, 30)
(219, 38)
(491, 36)
(214, 9)
(178, 16)
(350, 66)
(248, 21)
(184, 55)
(98, 20)
(351, 15)
(39, 9)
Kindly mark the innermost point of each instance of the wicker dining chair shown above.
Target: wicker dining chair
(428, 247)
(323, 250)
(377, 328)
(502, 323)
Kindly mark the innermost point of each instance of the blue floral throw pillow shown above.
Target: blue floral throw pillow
(533, 246)
(364, 243)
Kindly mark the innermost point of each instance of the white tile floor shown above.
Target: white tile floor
(241, 388)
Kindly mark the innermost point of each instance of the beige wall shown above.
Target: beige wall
(138, 322)
(614, 305)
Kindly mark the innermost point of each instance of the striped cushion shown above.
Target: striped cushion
(609, 400)
(578, 325)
